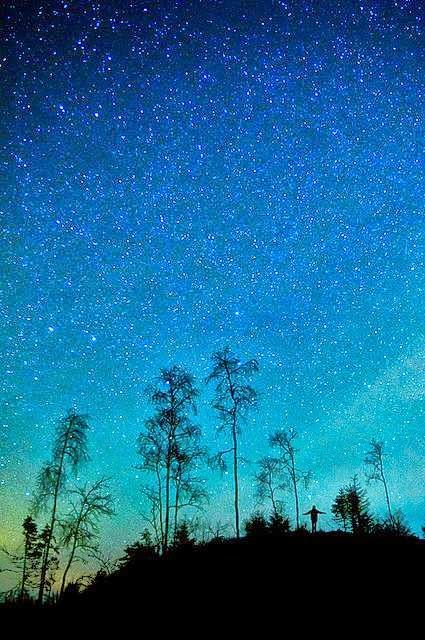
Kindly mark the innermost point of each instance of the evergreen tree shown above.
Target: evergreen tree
(31, 556)
(278, 524)
(25, 561)
(395, 525)
(256, 526)
(340, 509)
(351, 507)
(182, 538)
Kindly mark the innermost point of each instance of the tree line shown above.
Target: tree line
(171, 458)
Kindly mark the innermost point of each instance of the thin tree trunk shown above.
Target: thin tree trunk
(52, 521)
(74, 546)
(274, 505)
(176, 508)
(235, 452)
(68, 564)
(235, 477)
(294, 482)
(161, 520)
(387, 495)
(171, 441)
(49, 538)
(24, 570)
(167, 506)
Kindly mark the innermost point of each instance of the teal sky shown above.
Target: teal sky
(178, 176)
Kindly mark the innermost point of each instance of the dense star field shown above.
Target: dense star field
(178, 176)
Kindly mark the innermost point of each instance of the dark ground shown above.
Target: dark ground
(328, 574)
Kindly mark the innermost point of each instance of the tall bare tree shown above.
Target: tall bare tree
(169, 448)
(375, 471)
(80, 527)
(270, 483)
(69, 451)
(233, 398)
(189, 490)
(283, 441)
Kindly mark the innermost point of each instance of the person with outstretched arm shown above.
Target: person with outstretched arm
(314, 515)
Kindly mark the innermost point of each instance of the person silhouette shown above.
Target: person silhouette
(314, 515)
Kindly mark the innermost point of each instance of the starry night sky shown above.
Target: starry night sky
(178, 176)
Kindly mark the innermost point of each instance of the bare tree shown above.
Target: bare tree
(283, 441)
(189, 491)
(204, 531)
(154, 515)
(233, 398)
(169, 447)
(80, 528)
(107, 564)
(69, 451)
(375, 471)
(269, 483)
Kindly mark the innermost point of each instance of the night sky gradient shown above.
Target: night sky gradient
(178, 176)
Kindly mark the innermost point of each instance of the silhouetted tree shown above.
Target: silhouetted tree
(278, 524)
(182, 538)
(233, 398)
(351, 506)
(340, 508)
(269, 482)
(25, 561)
(138, 552)
(69, 451)
(283, 441)
(31, 555)
(204, 531)
(169, 447)
(49, 553)
(189, 491)
(375, 472)
(80, 528)
(256, 526)
(395, 525)
(259, 526)
(106, 563)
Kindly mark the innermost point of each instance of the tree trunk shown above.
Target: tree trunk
(176, 508)
(167, 506)
(235, 451)
(160, 506)
(24, 569)
(45, 563)
(68, 565)
(52, 521)
(274, 505)
(235, 477)
(387, 495)
(74, 547)
(294, 482)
